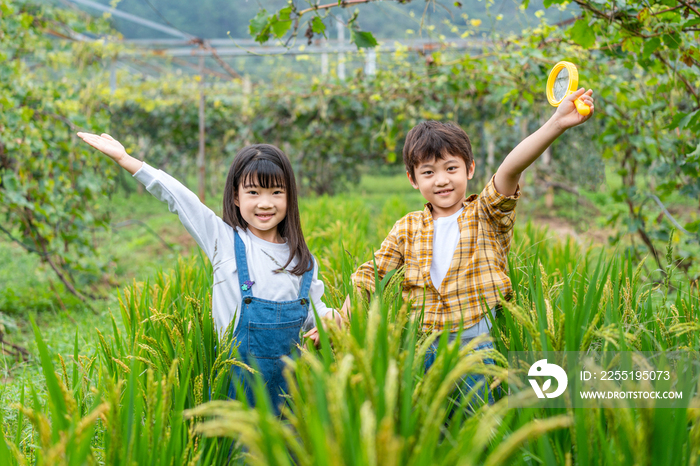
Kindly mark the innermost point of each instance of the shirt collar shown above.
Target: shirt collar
(428, 209)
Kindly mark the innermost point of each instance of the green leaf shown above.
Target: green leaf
(317, 25)
(694, 156)
(582, 34)
(694, 122)
(693, 227)
(672, 41)
(259, 26)
(280, 28)
(281, 23)
(650, 46)
(26, 20)
(675, 122)
(5, 455)
(56, 400)
(686, 120)
(362, 39)
(284, 14)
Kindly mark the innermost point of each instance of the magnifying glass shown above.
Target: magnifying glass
(562, 81)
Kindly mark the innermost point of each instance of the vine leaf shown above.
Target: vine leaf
(317, 25)
(281, 23)
(362, 39)
(259, 26)
(582, 34)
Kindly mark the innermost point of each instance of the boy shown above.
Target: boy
(455, 250)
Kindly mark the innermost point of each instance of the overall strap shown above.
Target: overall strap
(242, 265)
(306, 282)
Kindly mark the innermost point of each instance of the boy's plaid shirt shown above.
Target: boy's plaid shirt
(478, 266)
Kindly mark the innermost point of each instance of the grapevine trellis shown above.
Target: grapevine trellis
(186, 45)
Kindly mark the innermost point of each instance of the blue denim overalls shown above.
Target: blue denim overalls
(266, 331)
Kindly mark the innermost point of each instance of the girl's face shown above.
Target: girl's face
(262, 208)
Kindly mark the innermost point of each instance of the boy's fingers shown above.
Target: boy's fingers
(576, 94)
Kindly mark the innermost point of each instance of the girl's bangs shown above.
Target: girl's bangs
(266, 173)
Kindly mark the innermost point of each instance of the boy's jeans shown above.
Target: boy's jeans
(470, 380)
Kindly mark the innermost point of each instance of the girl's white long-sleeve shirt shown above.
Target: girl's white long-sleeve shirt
(215, 237)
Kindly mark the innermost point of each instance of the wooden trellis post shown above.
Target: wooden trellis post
(341, 55)
(200, 156)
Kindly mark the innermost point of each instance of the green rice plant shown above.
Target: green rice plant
(124, 405)
(63, 428)
(144, 396)
(567, 299)
(367, 400)
(336, 231)
(177, 362)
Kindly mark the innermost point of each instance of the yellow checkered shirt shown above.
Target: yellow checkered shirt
(478, 269)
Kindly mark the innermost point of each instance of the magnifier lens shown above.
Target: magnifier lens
(561, 85)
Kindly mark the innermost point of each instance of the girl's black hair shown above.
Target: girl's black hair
(270, 167)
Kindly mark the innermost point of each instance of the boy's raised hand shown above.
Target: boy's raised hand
(105, 144)
(567, 116)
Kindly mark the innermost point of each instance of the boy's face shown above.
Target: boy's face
(443, 183)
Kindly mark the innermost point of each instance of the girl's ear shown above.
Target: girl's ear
(235, 199)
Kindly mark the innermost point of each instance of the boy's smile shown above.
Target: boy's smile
(443, 183)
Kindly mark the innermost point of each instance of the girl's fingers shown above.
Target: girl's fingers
(105, 135)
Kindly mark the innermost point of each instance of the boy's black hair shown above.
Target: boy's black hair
(270, 167)
(430, 140)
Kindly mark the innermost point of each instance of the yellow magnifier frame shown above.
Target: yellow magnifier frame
(571, 86)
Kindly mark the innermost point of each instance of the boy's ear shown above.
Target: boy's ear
(470, 171)
(408, 174)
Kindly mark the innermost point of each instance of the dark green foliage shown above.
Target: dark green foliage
(50, 186)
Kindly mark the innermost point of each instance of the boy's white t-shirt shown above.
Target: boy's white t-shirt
(216, 237)
(445, 240)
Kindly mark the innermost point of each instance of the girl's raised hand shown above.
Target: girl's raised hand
(113, 148)
(105, 144)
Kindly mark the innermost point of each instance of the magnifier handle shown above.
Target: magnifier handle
(582, 108)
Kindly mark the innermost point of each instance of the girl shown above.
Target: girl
(265, 278)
